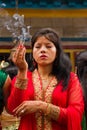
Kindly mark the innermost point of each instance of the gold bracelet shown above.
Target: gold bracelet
(52, 111)
(21, 83)
(48, 109)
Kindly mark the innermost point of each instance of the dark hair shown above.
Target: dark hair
(81, 63)
(62, 65)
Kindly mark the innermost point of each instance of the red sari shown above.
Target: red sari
(70, 102)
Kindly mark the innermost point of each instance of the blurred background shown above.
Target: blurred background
(68, 17)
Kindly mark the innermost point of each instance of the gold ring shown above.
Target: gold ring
(22, 111)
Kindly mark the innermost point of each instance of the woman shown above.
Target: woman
(4, 90)
(11, 69)
(81, 64)
(49, 95)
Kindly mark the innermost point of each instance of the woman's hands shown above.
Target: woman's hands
(19, 58)
(28, 107)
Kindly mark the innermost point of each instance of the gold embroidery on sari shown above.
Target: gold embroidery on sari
(43, 122)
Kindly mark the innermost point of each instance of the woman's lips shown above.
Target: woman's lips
(43, 56)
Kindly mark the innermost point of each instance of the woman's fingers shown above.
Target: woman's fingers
(19, 57)
(19, 111)
(26, 107)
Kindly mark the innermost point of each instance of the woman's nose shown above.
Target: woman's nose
(43, 49)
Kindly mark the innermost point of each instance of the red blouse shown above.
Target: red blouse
(70, 102)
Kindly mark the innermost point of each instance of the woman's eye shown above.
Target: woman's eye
(37, 47)
(48, 46)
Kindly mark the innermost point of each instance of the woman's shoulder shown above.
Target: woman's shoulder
(73, 75)
(74, 82)
(74, 78)
(3, 77)
(29, 73)
(3, 74)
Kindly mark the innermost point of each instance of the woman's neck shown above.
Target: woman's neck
(45, 71)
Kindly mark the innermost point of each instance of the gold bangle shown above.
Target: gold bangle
(21, 83)
(48, 109)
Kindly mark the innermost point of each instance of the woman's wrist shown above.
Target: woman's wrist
(22, 74)
(50, 110)
(43, 107)
(21, 83)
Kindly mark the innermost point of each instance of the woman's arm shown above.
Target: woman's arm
(20, 81)
(73, 110)
(75, 105)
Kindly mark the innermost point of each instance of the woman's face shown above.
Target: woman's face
(44, 51)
